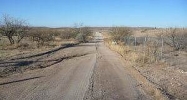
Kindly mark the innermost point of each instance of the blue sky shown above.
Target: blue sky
(59, 13)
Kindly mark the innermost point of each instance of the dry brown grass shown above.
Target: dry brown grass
(130, 54)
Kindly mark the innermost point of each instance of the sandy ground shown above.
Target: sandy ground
(171, 79)
(87, 71)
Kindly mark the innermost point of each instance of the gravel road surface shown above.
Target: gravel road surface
(94, 72)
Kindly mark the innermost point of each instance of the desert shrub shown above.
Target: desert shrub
(119, 33)
(0, 35)
(41, 36)
(68, 34)
(80, 37)
(176, 39)
(152, 51)
(184, 41)
(145, 30)
(23, 46)
(55, 33)
(83, 34)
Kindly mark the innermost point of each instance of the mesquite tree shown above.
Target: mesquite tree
(11, 27)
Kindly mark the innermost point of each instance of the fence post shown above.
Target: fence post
(128, 41)
(145, 39)
(134, 43)
(162, 47)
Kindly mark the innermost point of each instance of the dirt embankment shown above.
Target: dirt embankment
(23, 62)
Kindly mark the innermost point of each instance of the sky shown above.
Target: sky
(65, 13)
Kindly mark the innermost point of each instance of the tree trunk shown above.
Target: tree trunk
(19, 39)
(11, 40)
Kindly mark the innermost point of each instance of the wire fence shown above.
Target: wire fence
(156, 48)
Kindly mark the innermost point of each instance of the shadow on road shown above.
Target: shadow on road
(20, 66)
(29, 62)
(20, 80)
(48, 52)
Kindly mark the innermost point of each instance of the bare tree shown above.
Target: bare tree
(13, 27)
(21, 33)
(176, 39)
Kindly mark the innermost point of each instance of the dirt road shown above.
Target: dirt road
(93, 72)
